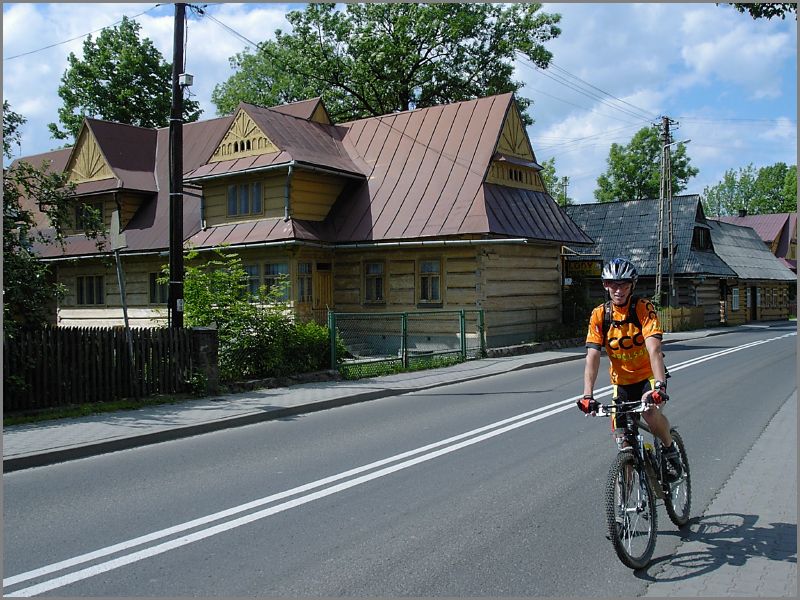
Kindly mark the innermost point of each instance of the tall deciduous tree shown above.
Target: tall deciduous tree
(370, 59)
(28, 288)
(120, 78)
(768, 190)
(634, 170)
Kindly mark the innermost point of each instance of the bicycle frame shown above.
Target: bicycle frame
(627, 435)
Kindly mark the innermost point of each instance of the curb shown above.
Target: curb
(94, 449)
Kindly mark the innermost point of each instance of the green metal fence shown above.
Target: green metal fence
(369, 344)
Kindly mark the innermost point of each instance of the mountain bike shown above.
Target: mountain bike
(636, 480)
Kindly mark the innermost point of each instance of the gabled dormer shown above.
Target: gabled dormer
(274, 163)
(112, 166)
(87, 162)
(514, 163)
(244, 138)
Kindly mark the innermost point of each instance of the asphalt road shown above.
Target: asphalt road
(487, 488)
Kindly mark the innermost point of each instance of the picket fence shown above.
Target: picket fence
(60, 366)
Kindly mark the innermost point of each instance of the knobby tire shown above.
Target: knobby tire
(633, 526)
(679, 500)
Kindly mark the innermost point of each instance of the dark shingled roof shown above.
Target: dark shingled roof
(743, 250)
(630, 230)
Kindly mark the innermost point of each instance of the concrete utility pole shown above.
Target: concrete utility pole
(176, 176)
(665, 197)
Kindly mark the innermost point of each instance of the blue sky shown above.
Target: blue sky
(728, 80)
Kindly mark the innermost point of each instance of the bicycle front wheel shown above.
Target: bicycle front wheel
(678, 500)
(631, 512)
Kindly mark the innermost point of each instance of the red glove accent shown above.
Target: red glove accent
(587, 405)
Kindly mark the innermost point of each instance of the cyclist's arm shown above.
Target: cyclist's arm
(653, 345)
(590, 370)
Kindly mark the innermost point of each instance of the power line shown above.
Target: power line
(651, 116)
(80, 36)
(579, 87)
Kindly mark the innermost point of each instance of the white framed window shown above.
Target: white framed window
(90, 289)
(430, 281)
(159, 292)
(304, 282)
(244, 199)
(82, 211)
(274, 274)
(253, 279)
(735, 298)
(373, 282)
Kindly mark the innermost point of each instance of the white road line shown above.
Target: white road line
(425, 453)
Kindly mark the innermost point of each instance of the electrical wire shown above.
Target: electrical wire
(133, 18)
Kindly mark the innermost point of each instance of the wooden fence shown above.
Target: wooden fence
(683, 318)
(60, 366)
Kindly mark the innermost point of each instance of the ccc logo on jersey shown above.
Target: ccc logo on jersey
(625, 342)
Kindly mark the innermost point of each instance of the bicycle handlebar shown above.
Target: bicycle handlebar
(621, 408)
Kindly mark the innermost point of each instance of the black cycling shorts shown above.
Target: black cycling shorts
(633, 391)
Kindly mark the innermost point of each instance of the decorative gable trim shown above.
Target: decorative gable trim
(244, 138)
(513, 138)
(86, 162)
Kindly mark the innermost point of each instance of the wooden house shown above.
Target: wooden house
(778, 232)
(436, 208)
(707, 271)
(761, 290)
(630, 230)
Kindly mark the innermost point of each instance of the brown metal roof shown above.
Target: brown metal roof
(299, 141)
(130, 152)
(303, 109)
(423, 175)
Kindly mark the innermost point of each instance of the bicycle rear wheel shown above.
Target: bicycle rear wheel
(631, 512)
(679, 499)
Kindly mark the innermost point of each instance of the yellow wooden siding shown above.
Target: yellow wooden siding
(244, 138)
(313, 195)
(87, 162)
(215, 199)
(504, 173)
(521, 289)
(137, 287)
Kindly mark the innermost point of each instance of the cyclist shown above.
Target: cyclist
(632, 339)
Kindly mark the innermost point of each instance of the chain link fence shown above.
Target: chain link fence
(371, 344)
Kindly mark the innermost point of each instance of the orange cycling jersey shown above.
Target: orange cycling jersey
(630, 361)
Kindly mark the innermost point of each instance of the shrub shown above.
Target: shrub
(258, 335)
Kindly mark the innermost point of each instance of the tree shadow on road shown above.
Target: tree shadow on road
(712, 541)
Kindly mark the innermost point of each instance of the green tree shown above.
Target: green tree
(554, 184)
(768, 190)
(29, 290)
(634, 170)
(370, 59)
(120, 78)
(730, 195)
(765, 10)
(11, 123)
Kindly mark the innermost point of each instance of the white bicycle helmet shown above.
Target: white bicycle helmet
(619, 269)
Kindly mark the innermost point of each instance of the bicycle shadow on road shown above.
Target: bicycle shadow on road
(712, 541)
